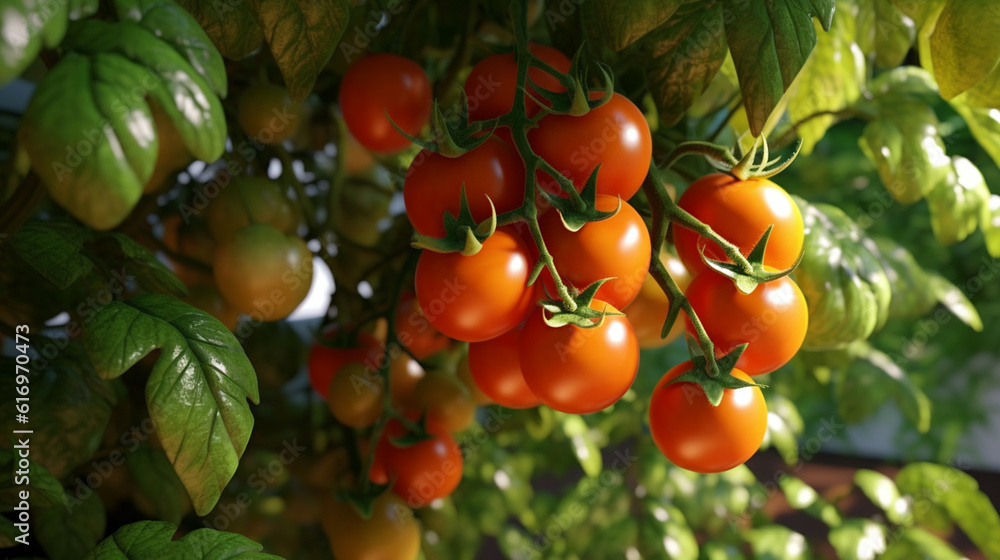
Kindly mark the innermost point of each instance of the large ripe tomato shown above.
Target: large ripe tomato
(740, 212)
(325, 361)
(477, 297)
(615, 135)
(424, 471)
(495, 365)
(415, 332)
(700, 437)
(267, 113)
(578, 370)
(616, 247)
(649, 310)
(492, 83)
(355, 395)
(263, 272)
(250, 200)
(391, 533)
(380, 84)
(433, 185)
(446, 400)
(772, 320)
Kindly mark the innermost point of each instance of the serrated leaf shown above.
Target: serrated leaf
(197, 392)
(586, 451)
(148, 270)
(67, 533)
(155, 479)
(858, 539)
(54, 249)
(620, 27)
(770, 41)
(776, 542)
(302, 36)
(830, 80)
(230, 25)
(963, 46)
(959, 495)
(30, 25)
(683, 56)
(46, 490)
(151, 540)
(882, 492)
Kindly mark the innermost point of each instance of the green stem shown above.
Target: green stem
(789, 135)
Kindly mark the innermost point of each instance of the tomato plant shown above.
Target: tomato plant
(390, 532)
(649, 310)
(424, 471)
(355, 395)
(445, 399)
(495, 367)
(267, 113)
(325, 361)
(492, 83)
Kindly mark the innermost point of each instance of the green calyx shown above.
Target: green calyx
(575, 217)
(748, 282)
(583, 315)
(462, 233)
(714, 386)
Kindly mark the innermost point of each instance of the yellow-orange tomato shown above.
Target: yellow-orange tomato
(355, 395)
(648, 311)
(446, 400)
(391, 533)
(405, 373)
(267, 113)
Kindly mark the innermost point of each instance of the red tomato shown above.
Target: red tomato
(424, 471)
(385, 83)
(477, 297)
(700, 437)
(495, 365)
(433, 185)
(492, 83)
(326, 361)
(577, 370)
(740, 212)
(616, 247)
(615, 135)
(415, 332)
(772, 320)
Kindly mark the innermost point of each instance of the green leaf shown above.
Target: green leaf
(584, 447)
(665, 533)
(830, 80)
(89, 129)
(155, 479)
(881, 370)
(67, 533)
(882, 492)
(915, 543)
(803, 497)
(952, 297)
(70, 408)
(963, 46)
(991, 227)
(198, 388)
(619, 27)
(959, 495)
(151, 540)
(45, 489)
(230, 25)
(302, 36)
(54, 249)
(885, 33)
(683, 56)
(770, 40)
(784, 425)
(776, 542)
(960, 204)
(149, 272)
(30, 25)
(858, 539)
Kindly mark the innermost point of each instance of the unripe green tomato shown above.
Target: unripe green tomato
(250, 200)
(267, 113)
(357, 211)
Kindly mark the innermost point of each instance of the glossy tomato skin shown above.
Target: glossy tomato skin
(740, 212)
(355, 395)
(617, 247)
(492, 83)
(649, 310)
(577, 370)
(477, 297)
(495, 365)
(615, 135)
(385, 83)
(700, 437)
(424, 471)
(772, 320)
(433, 185)
(325, 361)
(391, 533)
(415, 332)
(446, 400)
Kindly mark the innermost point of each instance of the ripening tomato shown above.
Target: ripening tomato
(267, 113)
(495, 365)
(772, 319)
(433, 186)
(415, 332)
(380, 84)
(391, 533)
(464, 373)
(190, 239)
(208, 299)
(325, 361)
(446, 400)
(355, 395)
(250, 200)
(422, 472)
(740, 212)
(615, 135)
(171, 154)
(649, 310)
(576, 370)
(617, 247)
(405, 373)
(700, 437)
(477, 297)
(492, 83)
(263, 272)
